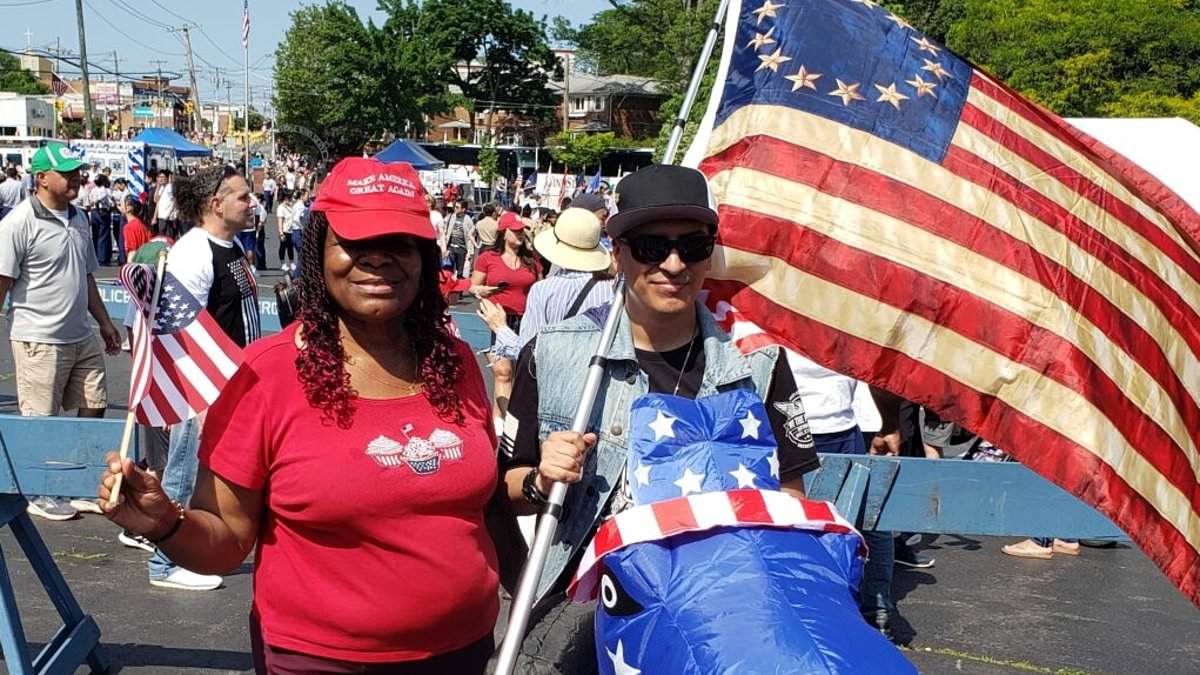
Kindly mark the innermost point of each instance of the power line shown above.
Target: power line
(25, 4)
(218, 47)
(128, 9)
(128, 76)
(168, 11)
(113, 26)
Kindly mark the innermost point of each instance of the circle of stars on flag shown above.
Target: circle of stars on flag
(849, 92)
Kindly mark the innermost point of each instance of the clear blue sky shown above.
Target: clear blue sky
(136, 29)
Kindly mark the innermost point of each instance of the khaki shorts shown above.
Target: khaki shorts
(52, 378)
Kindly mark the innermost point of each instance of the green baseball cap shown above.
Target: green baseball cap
(55, 157)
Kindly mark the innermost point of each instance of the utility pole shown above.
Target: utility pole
(186, 29)
(158, 103)
(120, 108)
(566, 92)
(83, 69)
(229, 111)
(246, 57)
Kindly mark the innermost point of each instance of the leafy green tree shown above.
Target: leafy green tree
(348, 82)
(489, 166)
(584, 151)
(16, 79)
(652, 38)
(72, 129)
(1079, 58)
(256, 121)
(500, 57)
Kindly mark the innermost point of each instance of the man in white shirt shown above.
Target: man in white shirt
(828, 399)
(268, 191)
(166, 215)
(210, 263)
(12, 191)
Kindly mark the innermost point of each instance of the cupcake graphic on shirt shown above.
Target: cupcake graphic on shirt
(448, 445)
(421, 456)
(386, 452)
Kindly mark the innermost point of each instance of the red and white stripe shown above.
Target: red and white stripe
(1034, 286)
(697, 513)
(189, 369)
(246, 24)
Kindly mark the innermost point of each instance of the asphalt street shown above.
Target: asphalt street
(1108, 611)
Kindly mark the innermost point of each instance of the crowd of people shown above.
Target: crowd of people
(384, 453)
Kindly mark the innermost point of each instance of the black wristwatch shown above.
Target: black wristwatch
(530, 491)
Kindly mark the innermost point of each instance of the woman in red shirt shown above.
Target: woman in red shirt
(503, 274)
(363, 478)
(135, 233)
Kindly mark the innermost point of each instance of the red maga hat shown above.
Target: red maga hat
(510, 221)
(364, 198)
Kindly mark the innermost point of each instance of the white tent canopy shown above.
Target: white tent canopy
(1166, 147)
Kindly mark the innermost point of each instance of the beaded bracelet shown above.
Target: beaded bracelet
(174, 528)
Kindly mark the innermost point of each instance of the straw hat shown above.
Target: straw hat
(574, 242)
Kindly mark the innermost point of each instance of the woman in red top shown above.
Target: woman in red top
(503, 274)
(363, 478)
(135, 233)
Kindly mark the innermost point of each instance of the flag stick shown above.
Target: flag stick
(547, 524)
(693, 89)
(131, 416)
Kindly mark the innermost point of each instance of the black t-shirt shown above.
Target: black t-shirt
(233, 301)
(217, 273)
(521, 446)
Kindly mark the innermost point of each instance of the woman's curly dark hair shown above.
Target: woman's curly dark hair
(321, 363)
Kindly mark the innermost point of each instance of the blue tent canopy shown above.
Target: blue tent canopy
(168, 138)
(404, 150)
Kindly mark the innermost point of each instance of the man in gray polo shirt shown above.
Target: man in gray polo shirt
(46, 267)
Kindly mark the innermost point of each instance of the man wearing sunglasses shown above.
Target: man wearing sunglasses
(666, 342)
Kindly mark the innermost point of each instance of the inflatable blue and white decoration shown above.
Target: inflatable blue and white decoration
(714, 570)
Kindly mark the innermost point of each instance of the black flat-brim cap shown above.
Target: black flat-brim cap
(662, 192)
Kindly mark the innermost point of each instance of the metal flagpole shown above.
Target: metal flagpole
(547, 524)
(694, 86)
(246, 119)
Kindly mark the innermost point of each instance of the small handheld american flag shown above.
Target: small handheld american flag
(181, 364)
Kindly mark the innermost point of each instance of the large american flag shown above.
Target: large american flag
(899, 216)
(181, 365)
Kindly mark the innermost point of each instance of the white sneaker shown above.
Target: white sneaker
(86, 505)
(186, 580)
(51, 509)
(132, 540)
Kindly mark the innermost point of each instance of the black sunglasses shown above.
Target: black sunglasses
(652, 249)
(229, 172)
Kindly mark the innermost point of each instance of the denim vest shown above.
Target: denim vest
(562, 355)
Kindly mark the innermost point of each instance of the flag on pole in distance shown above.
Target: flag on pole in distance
(246, 25)
(181, 363)
(594, 185)
(897, 215)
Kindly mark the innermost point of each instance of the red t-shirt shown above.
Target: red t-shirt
(136, 234)
(373, 546)
(512, 299)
